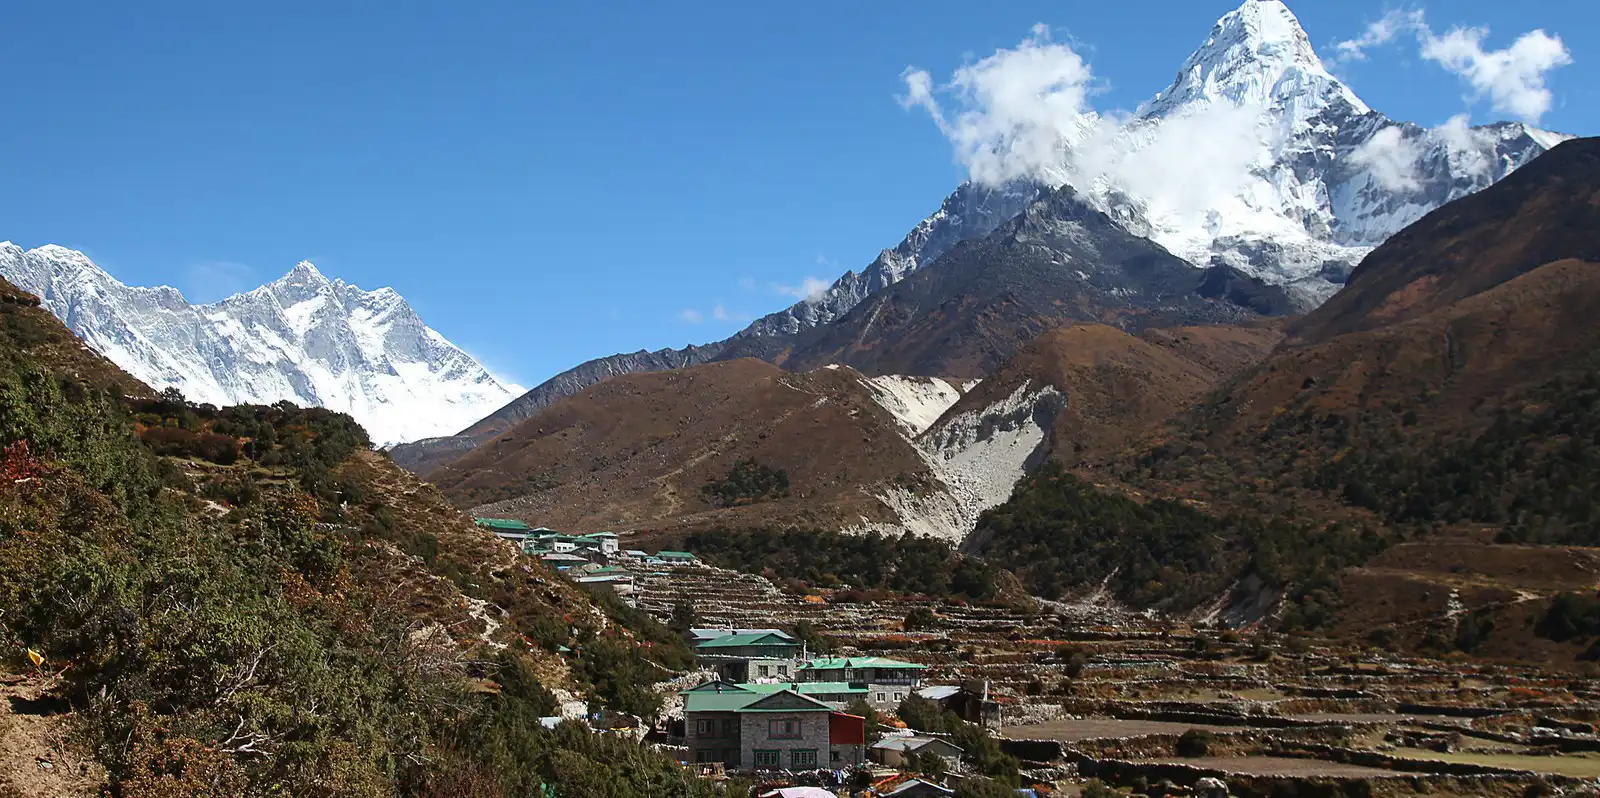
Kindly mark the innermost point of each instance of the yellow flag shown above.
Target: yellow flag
(35, 657)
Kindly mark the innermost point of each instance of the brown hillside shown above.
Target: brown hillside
(1449, 366)
(38, 335)
(1120, 386)
(1547, 211)
(634, 452)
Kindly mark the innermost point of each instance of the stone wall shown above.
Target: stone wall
(755, 735)
(726, 749)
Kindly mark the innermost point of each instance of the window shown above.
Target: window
(702, 728)
(882, 698)
(899, 696)
(766, 670)
(766, 759)
(806, 758)
(783, 670)
(705, 755)
(784, 729)
(836, 756)
(730, 728)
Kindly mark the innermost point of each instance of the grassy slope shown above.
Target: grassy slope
(290, 615)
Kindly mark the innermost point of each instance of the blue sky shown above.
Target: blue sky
(547, 185)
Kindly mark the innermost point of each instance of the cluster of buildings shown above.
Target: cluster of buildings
(772, 707)
(595, 559)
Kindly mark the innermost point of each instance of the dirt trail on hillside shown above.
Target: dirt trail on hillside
(37, 757)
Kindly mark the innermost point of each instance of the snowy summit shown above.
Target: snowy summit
(303, 338)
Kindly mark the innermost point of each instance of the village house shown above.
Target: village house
(918, 788)
(837, 694)
(677, 558)
(604, 542)
(506, 528)
(745, 729)
(888, 681)
(561, 561)
(901, 752)
(970, 701)
(751, 656)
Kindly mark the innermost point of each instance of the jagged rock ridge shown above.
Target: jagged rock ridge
(303, 338)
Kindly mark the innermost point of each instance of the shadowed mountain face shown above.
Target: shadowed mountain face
(1545, 212)
(1058, 261)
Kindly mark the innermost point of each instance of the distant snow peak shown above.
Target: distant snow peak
(1255, 156)
(303, 338)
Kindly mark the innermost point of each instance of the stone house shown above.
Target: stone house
(898, 752)
(749, 656)
(887, 681)
(783, 730)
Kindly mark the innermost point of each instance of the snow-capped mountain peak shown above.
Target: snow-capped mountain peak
(1258, 54)
(1296, 178)
(302, 337)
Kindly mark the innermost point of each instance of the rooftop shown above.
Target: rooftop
(782, 700)
(834, 663)
(750, 639)
(711, 634)
(503, 524)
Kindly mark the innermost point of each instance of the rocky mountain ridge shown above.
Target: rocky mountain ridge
(302, 338)
(1311, 192)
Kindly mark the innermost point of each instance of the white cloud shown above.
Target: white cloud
(1380, 33)
(810, 289)
(1025, 113)
(718, 312)
(1015, 110)
(721, 313)
(1392, 159)
(1513, 79)
(1470, 149)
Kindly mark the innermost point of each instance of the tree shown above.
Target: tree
(1195, 743)
(985, 788)
(874, 721)
(1073, 658)
(929, 764)
(920, 618)
(814, 641)
(684, 617)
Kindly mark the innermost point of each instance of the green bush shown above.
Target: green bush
(748, 482)
(1195, 743)
(905, 564)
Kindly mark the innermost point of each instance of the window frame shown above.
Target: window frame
(704, 727)
(799, 729)
(796, 764)
(774, 755)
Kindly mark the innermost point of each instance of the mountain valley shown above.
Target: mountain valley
(1246, 443)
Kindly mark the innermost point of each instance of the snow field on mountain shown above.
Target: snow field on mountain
(304, 338)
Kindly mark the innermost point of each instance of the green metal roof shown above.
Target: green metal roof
(601, 535)
(508, 524)
(806, 688)
(753, 639)
(717, 702)
(747, 701)
(676, 555)
(835, 663)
